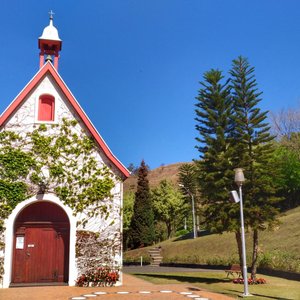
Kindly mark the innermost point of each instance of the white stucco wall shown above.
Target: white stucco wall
(25, 120)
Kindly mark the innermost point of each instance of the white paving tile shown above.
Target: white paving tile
(100, 293)
(166, 291)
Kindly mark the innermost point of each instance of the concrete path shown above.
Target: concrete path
(150, 269)
(133, 288)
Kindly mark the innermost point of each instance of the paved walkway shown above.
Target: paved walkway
(133, 288)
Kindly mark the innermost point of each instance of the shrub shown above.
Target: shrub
(280, 260)
(217, 260)
(250, 281)
(102, 276)
(181, 232)
(136, 259)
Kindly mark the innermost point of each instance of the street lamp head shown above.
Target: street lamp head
(239, 178)
(184, 188)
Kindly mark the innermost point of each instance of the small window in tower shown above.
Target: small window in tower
(46, 108)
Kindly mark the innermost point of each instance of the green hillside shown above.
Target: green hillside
(278, 249)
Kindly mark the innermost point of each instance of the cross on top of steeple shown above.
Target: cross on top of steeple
(51, 14)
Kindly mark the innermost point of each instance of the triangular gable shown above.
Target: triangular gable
(48, 68)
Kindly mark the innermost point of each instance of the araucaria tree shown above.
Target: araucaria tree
(142, 223)
(233, 133)
(253, 150)
(213, 116)
(188, 185)
(187, 178)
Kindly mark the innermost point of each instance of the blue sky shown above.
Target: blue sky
(135, 65)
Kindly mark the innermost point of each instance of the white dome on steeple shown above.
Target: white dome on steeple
(50, 44)
(50, 32)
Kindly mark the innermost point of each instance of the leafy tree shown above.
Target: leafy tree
(127, 215)
(142, 223)
(287, 163)
(286, 126)
(252, 152)
(215, 175)
(169, 205)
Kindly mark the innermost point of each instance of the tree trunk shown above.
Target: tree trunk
(254, 255)
(169, 229)
(239, 244)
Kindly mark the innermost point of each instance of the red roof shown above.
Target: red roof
(49, 69)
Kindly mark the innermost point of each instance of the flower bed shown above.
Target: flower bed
(103, 276)
(250, 281)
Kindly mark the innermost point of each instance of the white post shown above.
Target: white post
(194, 219)
(141, 261)
(193, 209)
(246, 292)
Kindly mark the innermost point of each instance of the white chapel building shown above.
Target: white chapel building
(54, 234)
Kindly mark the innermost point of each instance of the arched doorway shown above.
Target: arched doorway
(41, 244)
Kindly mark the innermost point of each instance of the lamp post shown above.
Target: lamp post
(239, 179)
(193, 209)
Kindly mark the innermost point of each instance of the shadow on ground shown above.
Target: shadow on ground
(181, 279)
(190, 235)
(187, 280)
(260, 295)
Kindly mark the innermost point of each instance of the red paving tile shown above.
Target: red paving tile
(131, 284)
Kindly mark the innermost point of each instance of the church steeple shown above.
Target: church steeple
(50, 43)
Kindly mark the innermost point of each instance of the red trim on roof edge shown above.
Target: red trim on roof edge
(35, 80)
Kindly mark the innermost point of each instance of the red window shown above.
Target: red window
(46, 108)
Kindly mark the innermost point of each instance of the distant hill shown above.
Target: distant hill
(169, 172)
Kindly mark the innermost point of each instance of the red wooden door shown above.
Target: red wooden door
(43, 256)
(41, 244)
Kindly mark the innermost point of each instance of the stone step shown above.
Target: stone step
(156, 258)
(155, 255)
(154, 252)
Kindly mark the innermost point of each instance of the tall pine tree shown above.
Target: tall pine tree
(234, 133)
(214, 125)
(142, 231)
(252, 152)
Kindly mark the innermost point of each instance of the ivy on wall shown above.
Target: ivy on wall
(100, 251)
(58, 159)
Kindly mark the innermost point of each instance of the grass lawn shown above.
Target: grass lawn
(278, 249)
(276, 288)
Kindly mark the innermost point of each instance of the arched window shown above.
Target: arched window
(46, 108)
